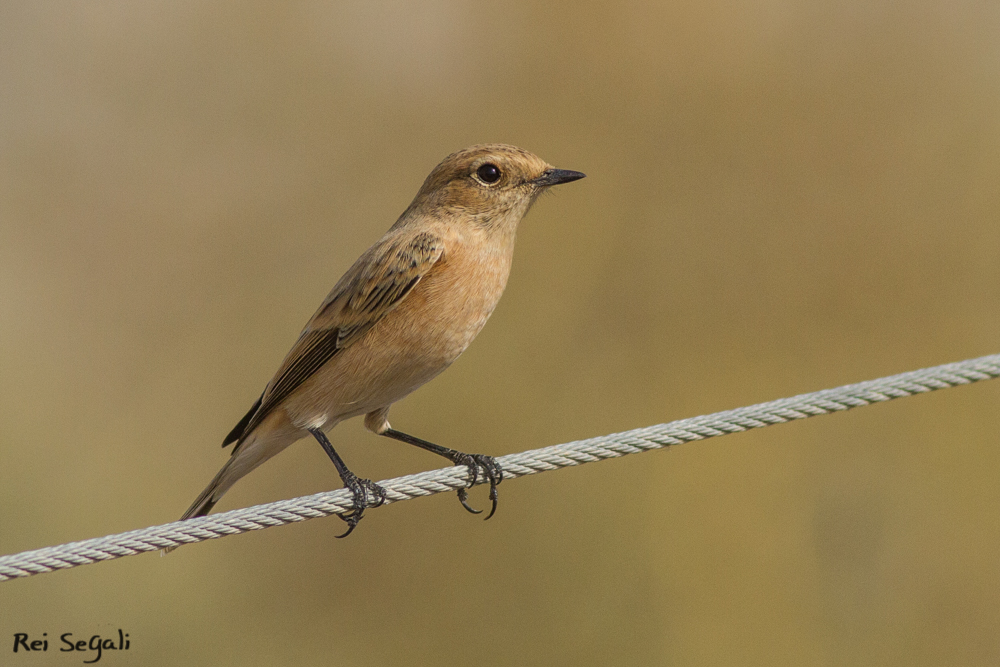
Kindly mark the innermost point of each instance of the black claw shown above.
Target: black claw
(493, 472)
(352, 523)
(493, 497)
(360, 488)
(463, 497)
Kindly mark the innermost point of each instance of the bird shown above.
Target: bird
(399, 316)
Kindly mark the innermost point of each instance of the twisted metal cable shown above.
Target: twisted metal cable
(530, 462)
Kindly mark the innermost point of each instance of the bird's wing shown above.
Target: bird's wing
(377, 283)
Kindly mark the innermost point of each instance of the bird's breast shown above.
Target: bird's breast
(452, 303)
(413, 343)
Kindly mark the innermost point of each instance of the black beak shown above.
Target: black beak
(557, 176)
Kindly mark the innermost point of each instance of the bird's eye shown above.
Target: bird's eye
(488, 173)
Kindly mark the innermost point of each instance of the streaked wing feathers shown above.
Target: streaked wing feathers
(372, 287)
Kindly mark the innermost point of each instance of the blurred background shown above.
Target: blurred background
(782, 196)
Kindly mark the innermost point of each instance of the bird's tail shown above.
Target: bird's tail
(206, 500)
(257, 448)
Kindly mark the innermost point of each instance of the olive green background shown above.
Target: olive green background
(781, 197)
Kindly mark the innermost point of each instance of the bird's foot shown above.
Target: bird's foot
(361, 488)
(494, 473)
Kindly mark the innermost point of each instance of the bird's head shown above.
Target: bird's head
(490, 184)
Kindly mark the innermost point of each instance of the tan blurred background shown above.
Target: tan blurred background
(781, 197)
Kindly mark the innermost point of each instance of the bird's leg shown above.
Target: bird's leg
(359, 487)
(493, 470)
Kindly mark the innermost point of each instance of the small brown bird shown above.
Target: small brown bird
(406, 309)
